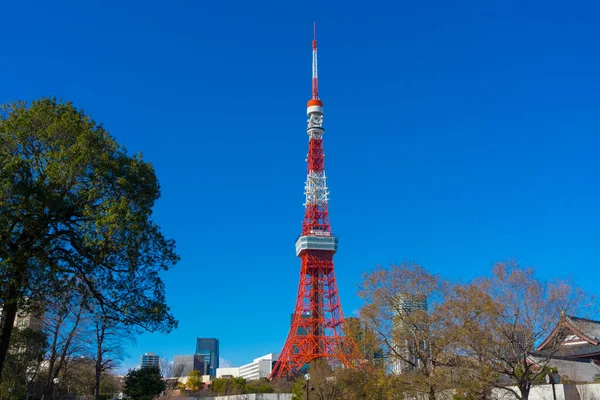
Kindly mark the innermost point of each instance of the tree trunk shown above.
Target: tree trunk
(431, 394)
(9, 313)
(100, 335)
(97, 382)
(524, 389)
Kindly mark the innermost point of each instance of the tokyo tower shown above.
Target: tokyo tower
(318, 328)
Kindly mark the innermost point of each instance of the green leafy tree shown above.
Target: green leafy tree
(227, 386)
(143, 383)
(75, 210)
(261, 385)
(194, 383)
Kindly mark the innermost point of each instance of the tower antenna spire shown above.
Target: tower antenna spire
(315, 74)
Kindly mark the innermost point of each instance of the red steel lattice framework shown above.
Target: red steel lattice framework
(318, 328)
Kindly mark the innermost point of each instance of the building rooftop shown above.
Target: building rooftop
(577, 337)
(575, 369)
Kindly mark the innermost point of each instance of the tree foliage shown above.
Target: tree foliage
(143, 383)
(371, 384)
(508, 315)
(194, 383)
(407, 309)
(75, 212)
(261, 385)
(470, 337)
(227, 386)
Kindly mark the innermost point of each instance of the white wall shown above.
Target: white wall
(256, 370)
(589, 391)
(235, 372)
(260, 396)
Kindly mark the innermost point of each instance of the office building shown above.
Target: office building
(30, 318)
(409, 323)
(183, 365)
(208, 348)
(230, 372)
(261, 367)
(408, 303)
(149, 360)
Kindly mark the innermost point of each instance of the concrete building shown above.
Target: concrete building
(183, 365)
(411, 307)
(261, 367)
(27, 319)
(228, 372)
(208, 348)
(149, 360)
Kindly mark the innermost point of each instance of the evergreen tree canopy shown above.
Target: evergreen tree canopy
(144, 383)
(75, 212)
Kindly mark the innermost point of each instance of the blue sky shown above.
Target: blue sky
(457, 134)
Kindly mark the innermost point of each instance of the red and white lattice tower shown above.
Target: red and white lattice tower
(318, 328)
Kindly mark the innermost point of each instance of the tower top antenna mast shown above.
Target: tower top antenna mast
(315, 101)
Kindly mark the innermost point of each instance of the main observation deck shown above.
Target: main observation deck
(316, 241)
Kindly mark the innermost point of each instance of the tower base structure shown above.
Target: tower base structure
(318, 330)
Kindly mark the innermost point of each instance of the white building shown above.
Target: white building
(149, 360)
(259, 368)
(228, 372)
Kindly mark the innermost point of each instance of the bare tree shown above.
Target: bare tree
(110, 337)
(407, 309)
(166, 367)
(64, 319)
(507, 316)
(322, 384)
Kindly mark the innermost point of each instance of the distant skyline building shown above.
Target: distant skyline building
(208, 348)
(33, 319)
(408, 303)
(29, 318)
(183, 365)
(149, 360)
(408, 348)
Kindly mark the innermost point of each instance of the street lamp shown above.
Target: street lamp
(28, 379)
(307, 377)
(553, 379)
(9, 393)
(55, 381)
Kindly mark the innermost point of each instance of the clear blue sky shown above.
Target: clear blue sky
(457, 134)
